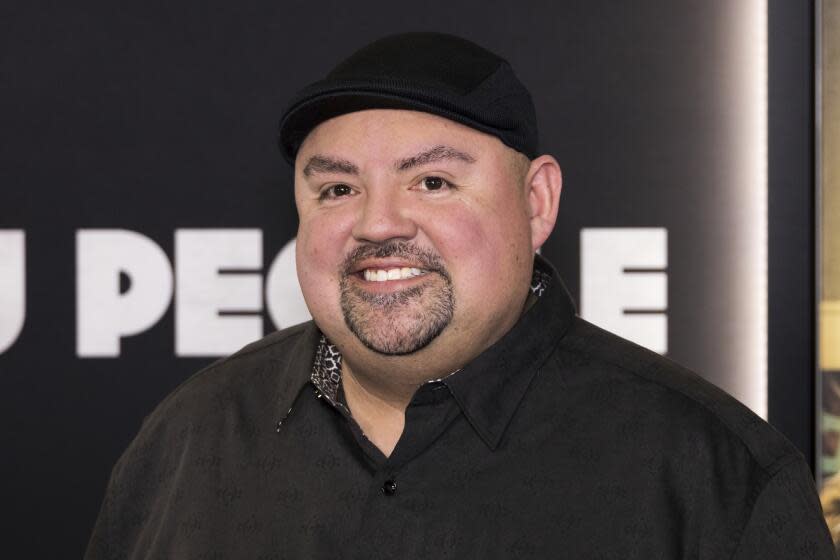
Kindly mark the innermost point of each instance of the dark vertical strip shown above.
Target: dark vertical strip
(791, 220)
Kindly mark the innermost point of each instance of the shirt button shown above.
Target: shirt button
(389, 488)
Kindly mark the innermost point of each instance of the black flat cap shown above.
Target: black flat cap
(431, 72)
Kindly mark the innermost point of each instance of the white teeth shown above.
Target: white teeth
(382, 275)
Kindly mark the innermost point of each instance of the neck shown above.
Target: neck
(380, 413)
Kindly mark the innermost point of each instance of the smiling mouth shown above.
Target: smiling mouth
(386, 274)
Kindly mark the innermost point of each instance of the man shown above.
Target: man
(446, 402)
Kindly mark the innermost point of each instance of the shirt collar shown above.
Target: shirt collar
(488, 389)
(293, 369)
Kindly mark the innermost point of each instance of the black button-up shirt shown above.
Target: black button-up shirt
(559, 441)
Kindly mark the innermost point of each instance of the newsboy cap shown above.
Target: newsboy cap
(430, 72)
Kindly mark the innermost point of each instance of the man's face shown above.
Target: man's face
(414, 233)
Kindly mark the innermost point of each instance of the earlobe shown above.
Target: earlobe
(544, 183)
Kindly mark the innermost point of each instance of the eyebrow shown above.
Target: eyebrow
(326, 164)
(438, 153)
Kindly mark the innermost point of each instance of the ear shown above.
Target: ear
(543, 183)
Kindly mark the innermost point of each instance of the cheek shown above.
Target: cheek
(319, 253)
(460, 235)
(482, 239)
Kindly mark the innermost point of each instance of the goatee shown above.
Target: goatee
(404, 321)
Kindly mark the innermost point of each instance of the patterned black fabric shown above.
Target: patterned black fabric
(559, 441)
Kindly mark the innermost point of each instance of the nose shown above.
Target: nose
(384, 214)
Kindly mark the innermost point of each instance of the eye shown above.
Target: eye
(433, 183)
(335, 191)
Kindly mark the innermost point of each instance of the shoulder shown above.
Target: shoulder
(232, 394)
(204, 427)
(268, 364)
(651, 390)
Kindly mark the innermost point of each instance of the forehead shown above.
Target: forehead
(384, 135)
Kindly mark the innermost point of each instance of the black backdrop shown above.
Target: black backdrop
(160, 118)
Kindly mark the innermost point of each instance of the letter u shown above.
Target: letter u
(12, 286)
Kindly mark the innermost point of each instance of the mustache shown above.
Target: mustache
(429, 260)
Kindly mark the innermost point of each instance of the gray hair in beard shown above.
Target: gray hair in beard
(367, 315)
